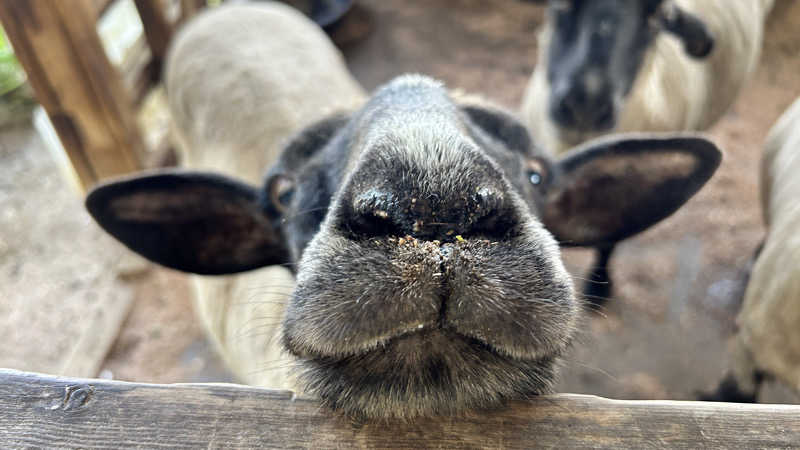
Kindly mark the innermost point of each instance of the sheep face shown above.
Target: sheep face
(421, 230)
(596, 49)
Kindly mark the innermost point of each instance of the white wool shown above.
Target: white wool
(672, 91)
(769, 323)
(241, 79)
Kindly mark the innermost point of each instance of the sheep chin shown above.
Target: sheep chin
(431, 373)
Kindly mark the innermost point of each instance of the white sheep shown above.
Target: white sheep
(630, 69)
(241, 79)
(768, 338)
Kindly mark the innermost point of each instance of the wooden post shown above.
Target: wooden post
(42, 411)
(157, 29)
(190, 8)
(57, 44)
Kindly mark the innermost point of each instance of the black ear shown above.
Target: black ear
(194, 222)
(610, 189)
(697, 39)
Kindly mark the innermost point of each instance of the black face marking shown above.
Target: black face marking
(596, 50)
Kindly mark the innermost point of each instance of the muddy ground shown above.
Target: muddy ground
(665, 332)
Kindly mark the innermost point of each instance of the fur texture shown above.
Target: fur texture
(241, 79)
(768, 340)
(671, 91)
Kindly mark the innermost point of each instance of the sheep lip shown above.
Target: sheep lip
(389, 343)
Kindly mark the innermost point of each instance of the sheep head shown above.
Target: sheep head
(596, 49)
(421, 231)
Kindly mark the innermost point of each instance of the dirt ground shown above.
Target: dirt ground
(665, 332)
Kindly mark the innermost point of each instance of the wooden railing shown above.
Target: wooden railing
(45, 412)
(91, 106)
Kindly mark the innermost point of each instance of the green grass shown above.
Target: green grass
(11, 73)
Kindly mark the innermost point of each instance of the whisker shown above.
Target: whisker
(253, 332)
(594, 369)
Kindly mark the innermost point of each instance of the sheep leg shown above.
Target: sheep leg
(742, 382)
(598, 286)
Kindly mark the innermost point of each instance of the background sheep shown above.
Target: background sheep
(631, 65)
(425, 282)
(768, 340)
(616, 65)
(240, 80)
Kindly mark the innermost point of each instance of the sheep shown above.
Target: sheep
(226, 73)
(767, 342)
(414, 231)
(606, 65)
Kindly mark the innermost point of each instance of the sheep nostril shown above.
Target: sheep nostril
(488, 199)
(373, 213)
(604, 116)
(490, 217)
(565, 106)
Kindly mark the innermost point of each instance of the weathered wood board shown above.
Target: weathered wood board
(43, 411)
(83, 94)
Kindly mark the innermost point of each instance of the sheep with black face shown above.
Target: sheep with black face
(422, 233)
(638, 66)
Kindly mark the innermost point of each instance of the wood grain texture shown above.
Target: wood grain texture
(157, 28)
(43, 411)
(58, 45)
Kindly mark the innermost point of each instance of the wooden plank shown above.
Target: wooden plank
(58, 46)
(157, 28)
(100, 327)
(43, 411)
(139, 73)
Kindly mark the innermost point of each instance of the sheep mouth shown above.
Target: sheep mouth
(495, 315)
(430, 372)
(414, 339)
(411, 345)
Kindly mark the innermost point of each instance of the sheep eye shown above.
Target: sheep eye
(281, 190)
(535, 172)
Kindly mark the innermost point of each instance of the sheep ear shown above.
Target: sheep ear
(610, 189)
(698, 42)
(194, 222)
(500, 125)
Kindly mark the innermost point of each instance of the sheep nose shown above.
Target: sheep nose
(482, 210)
(575, 107)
